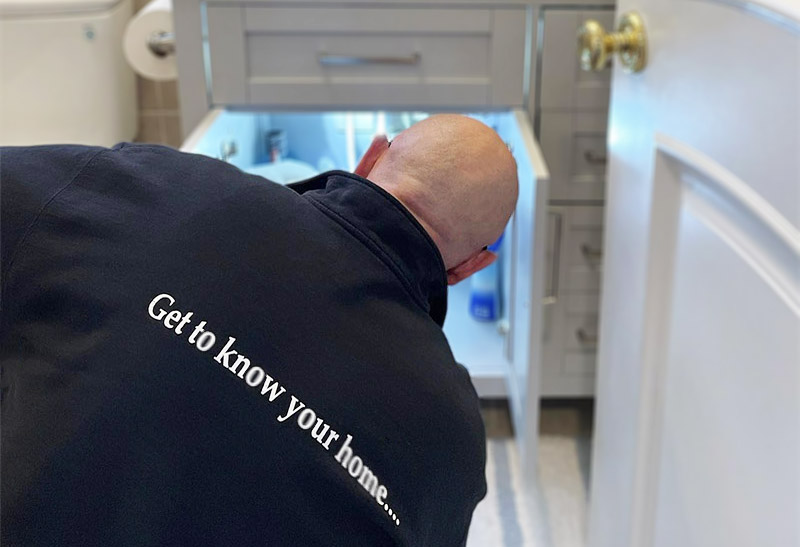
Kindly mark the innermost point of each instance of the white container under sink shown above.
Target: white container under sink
(63, 77)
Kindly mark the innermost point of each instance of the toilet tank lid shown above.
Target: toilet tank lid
(21, 8)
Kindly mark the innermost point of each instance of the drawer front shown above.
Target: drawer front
(573, 276)
(574, 145)
(574, 250)
(582, 250)
(581, 324)
(359, 57)
(563, 84)
(570, 346)
(581, 330)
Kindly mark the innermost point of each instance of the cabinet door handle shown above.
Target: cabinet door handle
(591, 253)
(593, 159)
(333, 59)
(585, 338)
(552, 293)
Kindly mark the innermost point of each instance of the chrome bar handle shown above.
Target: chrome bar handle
(332, 59)
(162, 43)
(552, 293)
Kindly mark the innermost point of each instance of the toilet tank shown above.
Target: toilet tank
(63, 77)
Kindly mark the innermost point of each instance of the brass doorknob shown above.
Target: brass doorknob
(595, 47)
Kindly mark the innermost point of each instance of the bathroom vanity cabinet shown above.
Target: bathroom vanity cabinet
(329, 74)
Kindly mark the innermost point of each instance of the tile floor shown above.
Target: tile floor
(554, 515)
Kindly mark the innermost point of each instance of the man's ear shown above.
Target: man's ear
(376, 149)
(471, 265)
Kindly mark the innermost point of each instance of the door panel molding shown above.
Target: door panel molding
(763, 237)
(684, 178)
(784, 13)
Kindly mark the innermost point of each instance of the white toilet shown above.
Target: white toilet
(63, 77)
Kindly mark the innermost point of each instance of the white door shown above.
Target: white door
(698, 399)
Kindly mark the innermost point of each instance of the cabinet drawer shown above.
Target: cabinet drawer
(563, 84)
(581, 330)
(347, 56)
(582, 258)
(574, 268)
(574, 250)
(570, 346)
(574, 145)
(581, 323)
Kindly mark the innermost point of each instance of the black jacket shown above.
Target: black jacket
(125, 423)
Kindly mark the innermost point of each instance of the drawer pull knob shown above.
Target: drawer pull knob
(592, 159)
(591, 253)
(332, 59)
(586, 338)
(596, 47)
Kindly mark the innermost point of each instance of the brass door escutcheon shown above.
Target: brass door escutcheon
(595, 47)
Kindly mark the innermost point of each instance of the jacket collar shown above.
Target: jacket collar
(389, 229)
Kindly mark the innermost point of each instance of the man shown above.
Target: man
(196, 356)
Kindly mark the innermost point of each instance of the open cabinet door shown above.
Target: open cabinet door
(698, 399)
(528, 241)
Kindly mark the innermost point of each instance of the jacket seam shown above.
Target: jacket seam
(403, 210)
(399, 207)
(374, 248)
(29, 229)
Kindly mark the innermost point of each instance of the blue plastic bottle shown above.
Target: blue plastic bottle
(484, 300)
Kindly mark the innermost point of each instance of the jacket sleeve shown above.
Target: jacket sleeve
(30, 177)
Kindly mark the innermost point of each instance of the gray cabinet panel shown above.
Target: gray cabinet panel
(563, 84)
(227, 59)
(572, 303)
(574, 145)
(356, 57)
(367, 20)
(507, 61)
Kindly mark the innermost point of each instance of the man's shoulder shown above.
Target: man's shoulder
(158, 162)
(138, 187)
(165, 169)
(32, 176)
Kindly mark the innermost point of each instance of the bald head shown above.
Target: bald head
(456, 176)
